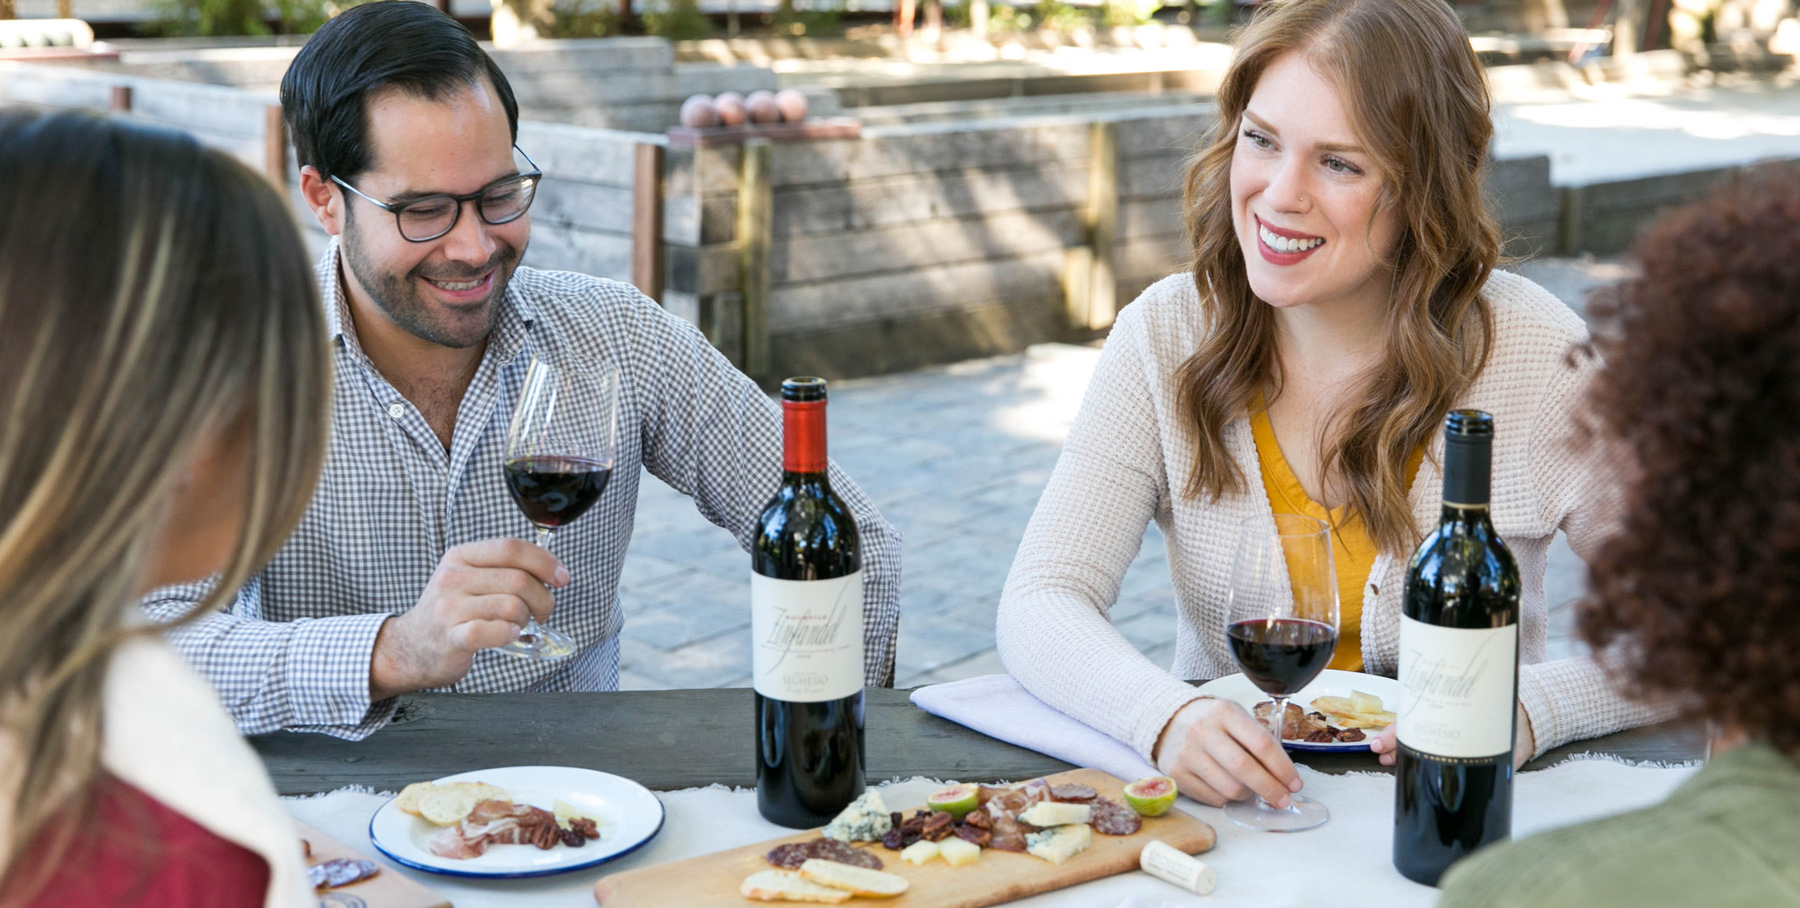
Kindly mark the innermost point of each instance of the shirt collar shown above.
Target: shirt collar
(517, 314)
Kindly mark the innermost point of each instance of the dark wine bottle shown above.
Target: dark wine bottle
(1459, 671)
(806, 601)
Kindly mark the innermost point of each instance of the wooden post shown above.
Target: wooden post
(647, 221)
(6, 9)
(275, 145)
(1090, 279)
(756, 216)
(443, 6)
(120, 100)
(65, 9)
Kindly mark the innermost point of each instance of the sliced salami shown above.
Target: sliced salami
(1074, 793)
(793, 854)
(1113, 818)
(834, 850)
(789, 856)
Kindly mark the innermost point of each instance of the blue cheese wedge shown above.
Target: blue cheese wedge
(1045, 814)
(1059, 844)
(865, 820)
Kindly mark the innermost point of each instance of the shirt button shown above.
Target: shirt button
(395, 410)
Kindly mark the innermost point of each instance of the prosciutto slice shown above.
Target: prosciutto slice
(492, 823)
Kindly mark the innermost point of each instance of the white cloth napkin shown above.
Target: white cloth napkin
(1346, 863)
(1000, 707)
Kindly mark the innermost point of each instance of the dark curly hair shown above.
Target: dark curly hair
(1696, 601)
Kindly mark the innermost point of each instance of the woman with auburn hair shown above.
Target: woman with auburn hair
(163, 402)
(1696, 602)
(1343, 300)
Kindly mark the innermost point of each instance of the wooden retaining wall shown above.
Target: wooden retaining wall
(926, 243)
(942, 241)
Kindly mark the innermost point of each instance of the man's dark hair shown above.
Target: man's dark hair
(395, 43)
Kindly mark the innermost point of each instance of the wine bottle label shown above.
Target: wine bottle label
(1457, 689)
(808, 637)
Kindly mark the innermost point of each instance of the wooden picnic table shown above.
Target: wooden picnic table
(676, 739)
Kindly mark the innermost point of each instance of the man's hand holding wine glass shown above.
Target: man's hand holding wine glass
(479, 597)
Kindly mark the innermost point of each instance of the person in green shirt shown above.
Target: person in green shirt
(1696, 601)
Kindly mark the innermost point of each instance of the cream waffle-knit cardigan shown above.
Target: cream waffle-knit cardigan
(1126, 462)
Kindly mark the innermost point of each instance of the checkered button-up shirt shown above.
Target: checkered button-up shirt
(294, 649)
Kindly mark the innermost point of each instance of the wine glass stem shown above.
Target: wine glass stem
(543, 542)
(1277, 718)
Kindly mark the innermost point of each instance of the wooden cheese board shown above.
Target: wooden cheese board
(387, 889)
(711, 881)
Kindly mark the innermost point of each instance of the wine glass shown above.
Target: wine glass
(559, 457)
(1282, 627)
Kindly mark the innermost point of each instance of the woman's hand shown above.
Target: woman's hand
(1384, 743)
(1216, 752)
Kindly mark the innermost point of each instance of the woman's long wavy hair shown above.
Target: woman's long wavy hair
(1417, 100)
(152, 292)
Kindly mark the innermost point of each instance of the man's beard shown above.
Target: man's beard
(400, 298)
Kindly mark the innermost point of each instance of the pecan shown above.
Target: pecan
(913, 824)
(1322, 736)
(979, 820)
(572, 838)
(588, 828)
(546, 836)
(1351, 735)
(938, 827)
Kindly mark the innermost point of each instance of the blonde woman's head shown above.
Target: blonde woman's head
(164, 395)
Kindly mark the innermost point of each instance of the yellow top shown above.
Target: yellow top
(1353, 553)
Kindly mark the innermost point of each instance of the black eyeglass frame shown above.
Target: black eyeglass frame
(532, 177)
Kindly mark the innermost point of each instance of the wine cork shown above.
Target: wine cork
(1171, 865)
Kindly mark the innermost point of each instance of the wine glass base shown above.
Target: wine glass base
(544, 646)
(1304, 813)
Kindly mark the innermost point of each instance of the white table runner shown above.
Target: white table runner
(1346, 862)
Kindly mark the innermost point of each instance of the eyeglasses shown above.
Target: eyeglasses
(425, 219)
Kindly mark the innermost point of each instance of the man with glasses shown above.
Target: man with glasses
(411, 564)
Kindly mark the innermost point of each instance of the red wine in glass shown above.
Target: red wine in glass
(1282, 655)
(1281, 627)
(559, 458)
(552, 490)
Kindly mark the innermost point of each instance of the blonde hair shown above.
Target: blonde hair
(1415, 95)
(151, 291)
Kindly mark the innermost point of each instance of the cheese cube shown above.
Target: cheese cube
(920, 853)
(1059, 844)
(1045, 814)
(957, 852)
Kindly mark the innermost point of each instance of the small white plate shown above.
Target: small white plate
(1330, 683)
(628, 813)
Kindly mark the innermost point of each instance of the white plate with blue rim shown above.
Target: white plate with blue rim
(627, 814)
(1329, 683)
